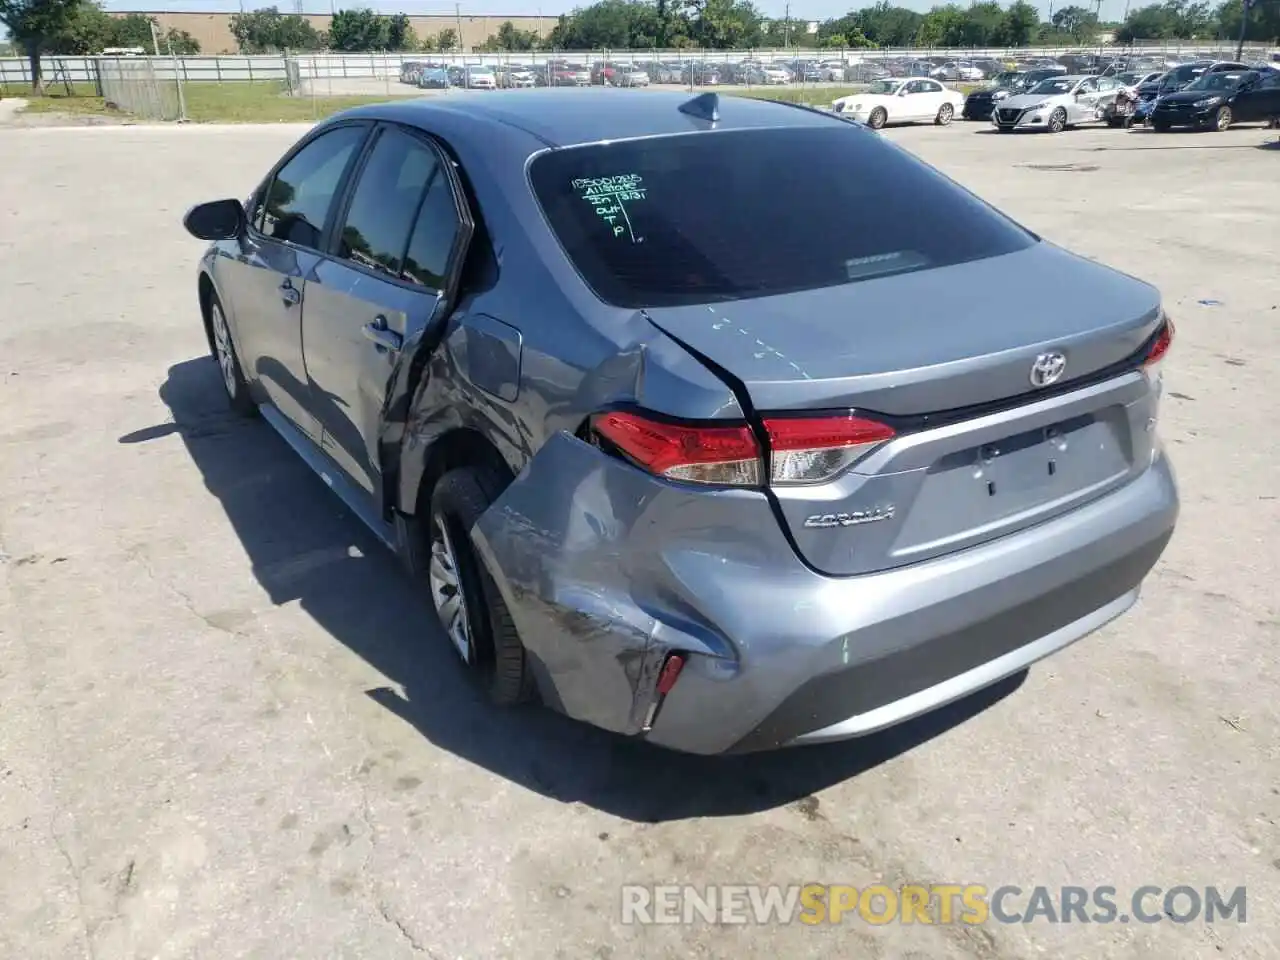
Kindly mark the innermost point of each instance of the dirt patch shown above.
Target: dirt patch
(13, 113)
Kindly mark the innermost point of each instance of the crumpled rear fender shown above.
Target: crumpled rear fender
(603, 571)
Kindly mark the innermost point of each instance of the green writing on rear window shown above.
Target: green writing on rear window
(609, 197)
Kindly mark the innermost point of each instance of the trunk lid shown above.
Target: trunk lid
(945, 357)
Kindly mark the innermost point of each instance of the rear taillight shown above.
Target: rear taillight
(812, 450)
(693, 452)
(1163, 341)
(1153, 362)
(802, 450)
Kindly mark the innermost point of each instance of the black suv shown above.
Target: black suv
(980, 104)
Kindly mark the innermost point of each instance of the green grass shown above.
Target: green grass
(269, 102)
(232, 102)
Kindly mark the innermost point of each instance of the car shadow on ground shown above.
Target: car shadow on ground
(304, 546)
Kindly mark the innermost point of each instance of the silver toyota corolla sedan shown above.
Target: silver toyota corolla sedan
(682, 444)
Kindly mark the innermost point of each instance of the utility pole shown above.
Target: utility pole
(457, 12)
(786, 27)
(155, 36)
(1244, 25)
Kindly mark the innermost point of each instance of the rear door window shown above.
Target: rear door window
(721, 215)
(385, 202)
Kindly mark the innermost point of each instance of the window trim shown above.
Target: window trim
(344, 178)
(466, 222)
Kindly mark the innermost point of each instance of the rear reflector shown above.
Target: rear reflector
(697, 453)
(670, 673)
(813, 450)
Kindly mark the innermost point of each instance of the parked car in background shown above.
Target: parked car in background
(481, 77)
(516, 76)
(865, 72)
(714, 491)
(410, 71)
(666, 71)
(768, 75)
(1056, 103)
(907, 100)
(569, 74)
(1183, 75)
(603, 72)
(980, 103)
(700, 74)
(805, 71)
(1218, 99)
(434, 78)
(631, 76)
(832, 70)
(957, 70)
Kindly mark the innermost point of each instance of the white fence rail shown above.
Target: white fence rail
(221, 69)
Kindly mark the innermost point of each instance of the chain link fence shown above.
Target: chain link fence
(133, 84)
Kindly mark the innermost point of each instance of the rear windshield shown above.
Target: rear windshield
(728, 215)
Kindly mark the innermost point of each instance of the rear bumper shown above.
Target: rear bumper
(605, 574)
(980, 110)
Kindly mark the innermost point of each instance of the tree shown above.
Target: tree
(1077, 23)
(1264, 20)
(400, 35)
(267, 29)
(351, 31)
(447, 40)
(34, 24)
(1021, 23)
(511, 38)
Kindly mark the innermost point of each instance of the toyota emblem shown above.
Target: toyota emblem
(1048, 369)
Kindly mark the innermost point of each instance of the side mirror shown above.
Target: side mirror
(216, 220)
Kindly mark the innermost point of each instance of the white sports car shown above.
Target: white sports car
(902, 100)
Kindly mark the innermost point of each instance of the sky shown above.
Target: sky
(800, 9)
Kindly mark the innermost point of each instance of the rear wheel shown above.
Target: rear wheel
(1222, 119)
(1058, 121)
(878, 118)
(946, 113)
(472, 613)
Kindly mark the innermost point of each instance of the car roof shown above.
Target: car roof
(567, 117)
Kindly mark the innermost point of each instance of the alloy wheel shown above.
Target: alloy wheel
(222, 348)
(446, 589)
(1223, 118)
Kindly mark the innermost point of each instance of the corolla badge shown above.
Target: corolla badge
(1048, 368)
(850, 519)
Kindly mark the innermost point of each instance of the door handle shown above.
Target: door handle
(381, 334)
(289, 293)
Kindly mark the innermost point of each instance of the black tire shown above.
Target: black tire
(879, 116)
(946, 113)
(498, 659)
(1058, 120)
(1160, 127)
(1222, 119)
(229, 369)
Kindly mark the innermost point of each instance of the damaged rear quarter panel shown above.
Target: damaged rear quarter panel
(593, 558)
